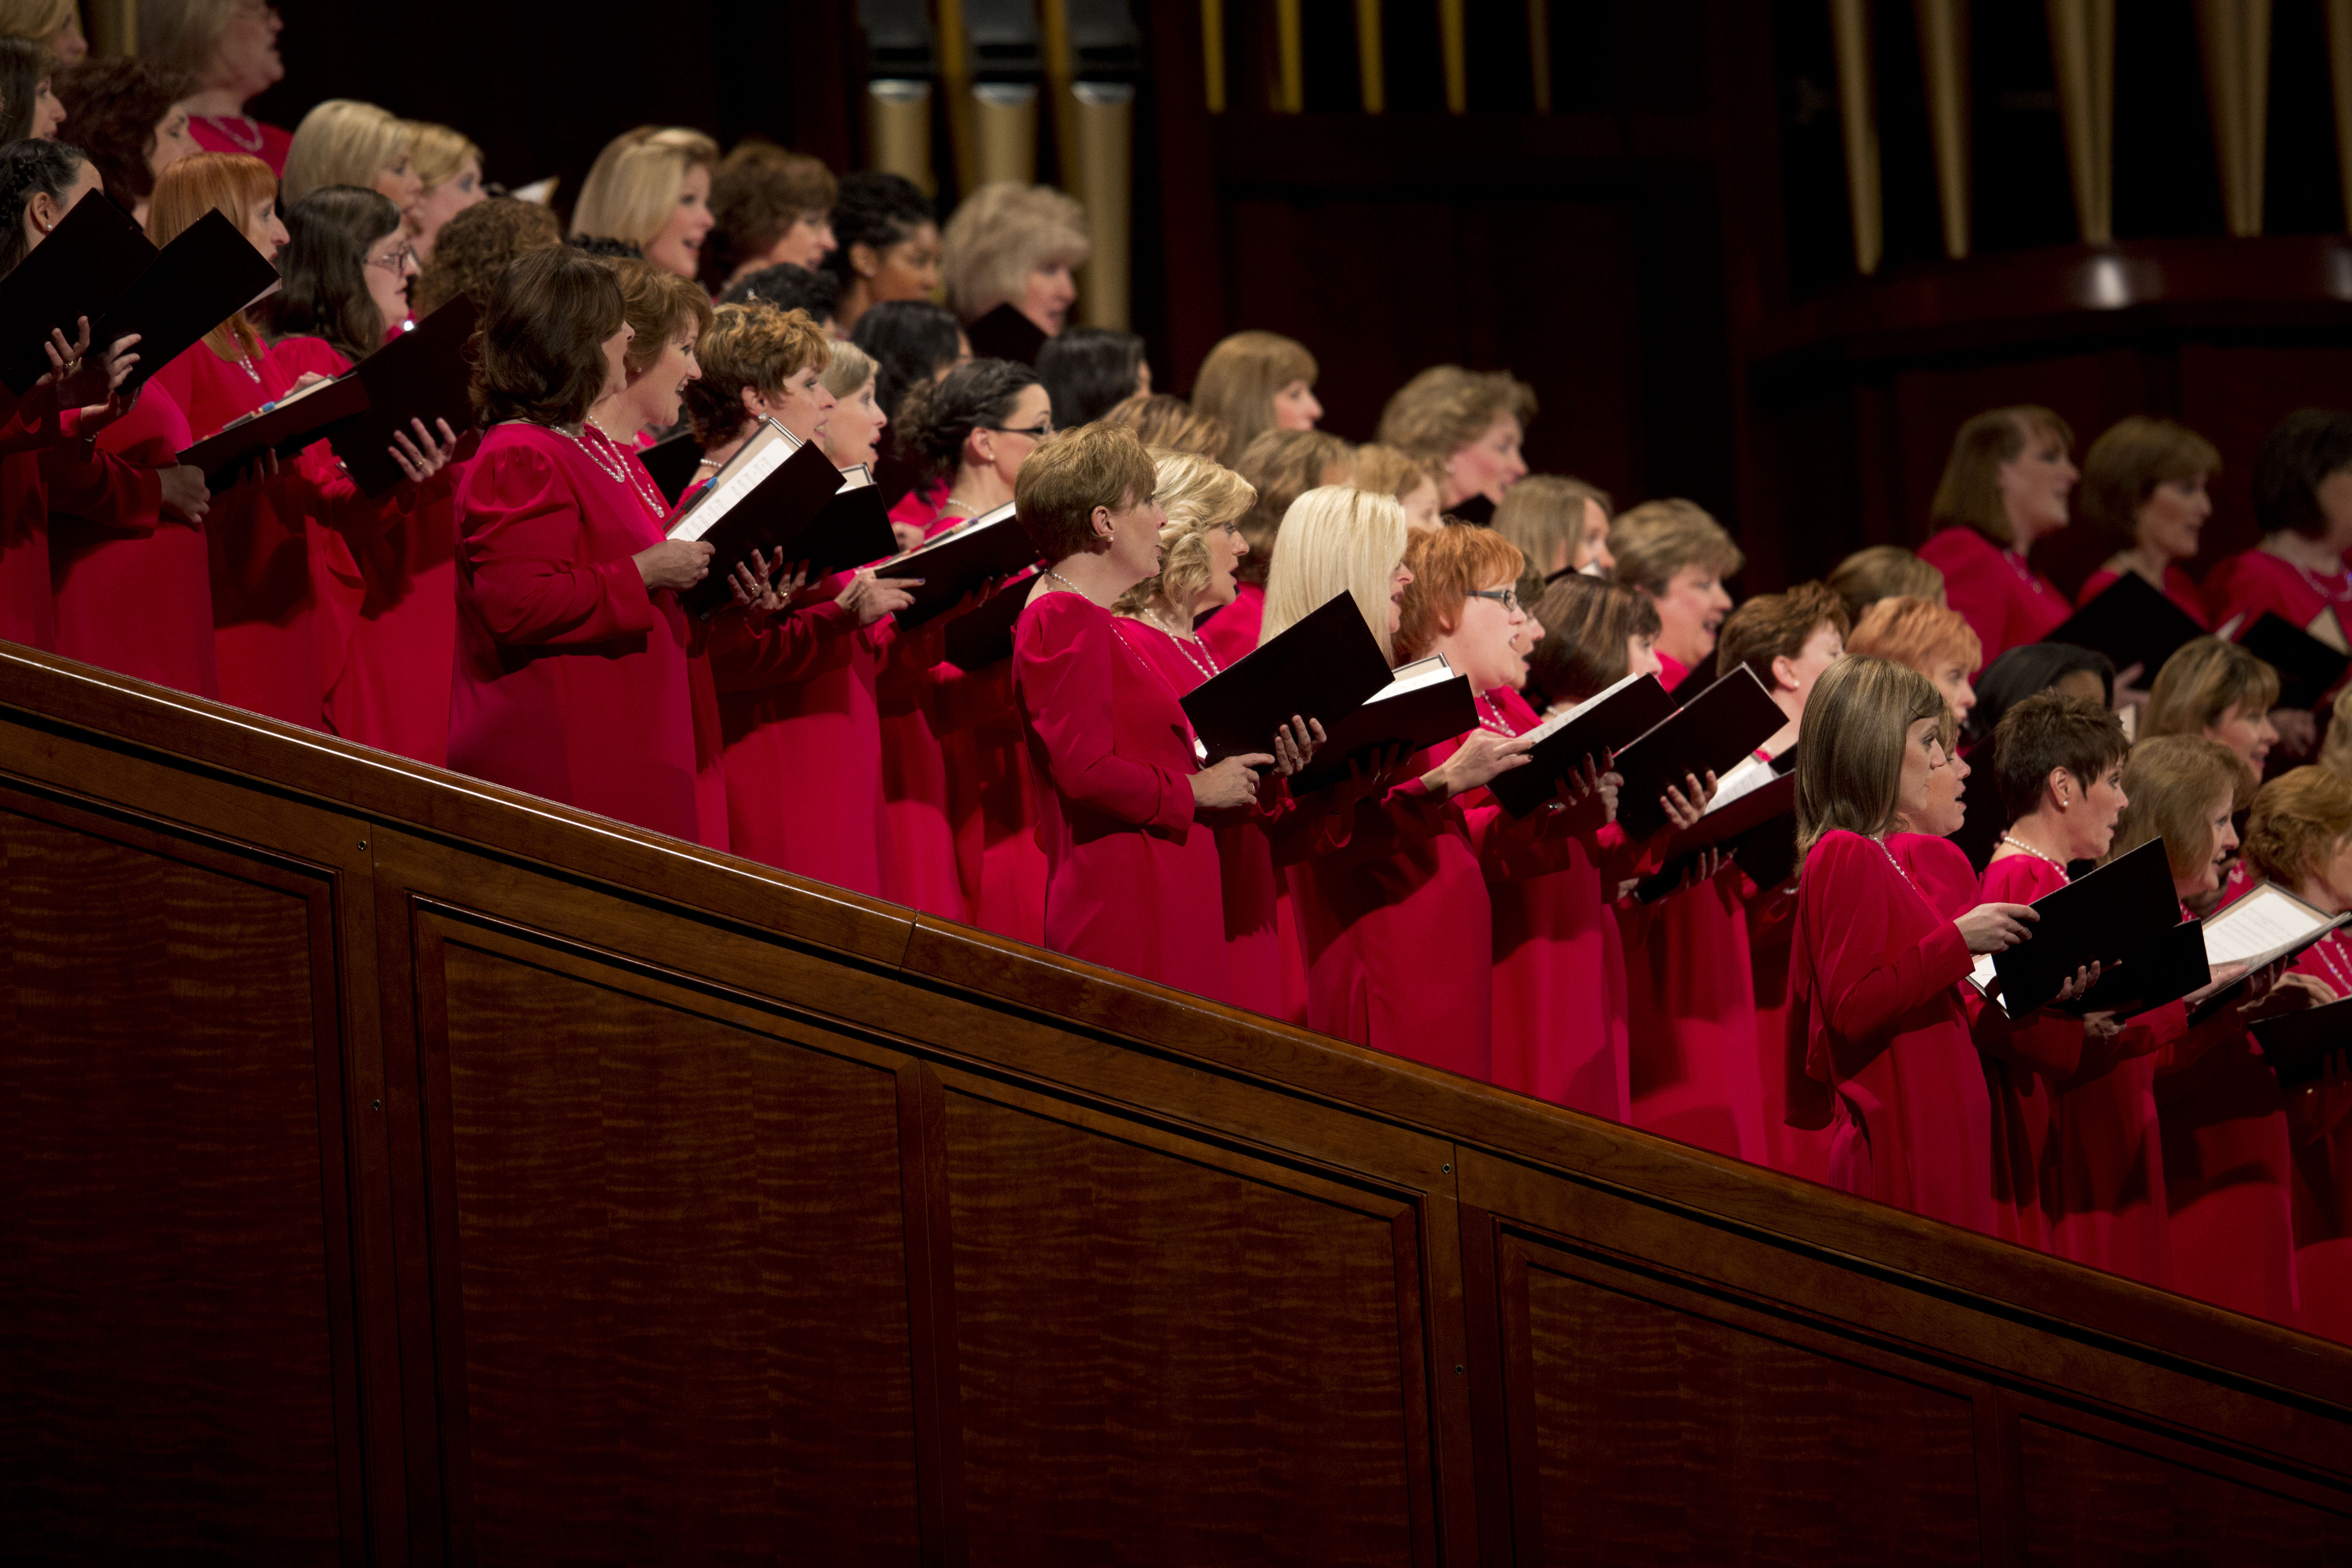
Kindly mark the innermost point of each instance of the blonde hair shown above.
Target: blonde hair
(1915, 632)
(1199, 494)
(1970, 491)
(2204, 680)
(1161, 420)
(436, 153)
(850, 368)
(343, 141)
(1446, 407)
(1001, 233)
(1544, 512)
(1335, 538)
(2335, 751)
(1651, 541)
(229, 183)
(182, 34)
(636, 181)
(2299, 819)
(1237, 382)
(1391, 471)
(2170, 780)
(38, 20)
(1850, 769)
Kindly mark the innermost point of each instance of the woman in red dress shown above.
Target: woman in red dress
(1679, 556)
(1468, 425)
(759, 362)
(2144, 487)
(1255, 382)
(1875, 1024)
(2299, 836)
(230, 51)
(572, 654)
(1124, 800)
(1281, 465)
(1200, 546)
(974, 427)
(2303, 503)
(2005, 484)
(1392, 905)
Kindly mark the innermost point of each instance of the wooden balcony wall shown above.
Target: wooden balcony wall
(398, 1169)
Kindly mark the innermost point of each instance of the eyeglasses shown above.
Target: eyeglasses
(1036, 432)
(398, 262)
(1507, 597)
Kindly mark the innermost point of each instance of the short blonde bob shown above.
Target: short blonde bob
(1200, 495)
(635, 183)
(343, 141)
(436, 153)
(1850, 769)
(1335, 538)
(1002, 233)
(1238, 380)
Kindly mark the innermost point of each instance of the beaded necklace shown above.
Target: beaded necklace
(1491, 718)
(226, 125)
(2023, 848)
(1185, 643)
(2325, 950)
(616, 467)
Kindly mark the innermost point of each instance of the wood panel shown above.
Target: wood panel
(2089, 1500)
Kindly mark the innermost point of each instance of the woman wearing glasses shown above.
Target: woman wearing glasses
(973, 428)
(385, 679)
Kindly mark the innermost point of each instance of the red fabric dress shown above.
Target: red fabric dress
(2178, 586)
(1253, 943)
(2243, 585)
(1133, 881)
(242, 134)
(2323, 1174)
(570, 679)
(1232, 632)
(133, 589)
(26, 609)
(1876, 1018)
(2005, 602)
(1690, 1005)
(919, 870)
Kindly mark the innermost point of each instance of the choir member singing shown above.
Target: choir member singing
(1936, 642)
(2144, 487)
(449, 169)
(2005, 484)
(346, 142)
(1281, 465)
(1014, 245)
(229, 47)
(1679, 556)
(769, 206)
(888, 244)
(1391, 471)
(2219, 690)
(1875, 1023)
(29, 106)
(650, 188)
(129, 118)
(2303, 504)
(1559, 524)
(1468, 423)
(1255, 381)
(571, 650)
(1883, 572)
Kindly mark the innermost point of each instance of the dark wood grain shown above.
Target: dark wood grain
(2088, 1500)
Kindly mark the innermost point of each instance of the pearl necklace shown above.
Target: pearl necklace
(2319, 585)
(225, 124)
(615, 468)
(2024, 573)
(2327, 956)
(1185, 643)
(245, 362)
(1489, 718)
(2023, 848)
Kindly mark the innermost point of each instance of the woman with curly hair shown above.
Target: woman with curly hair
(476, 247)
(887, 245)
(128, 117)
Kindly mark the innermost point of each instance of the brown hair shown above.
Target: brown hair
(756, 346)
(1199, 494)
(1237, 382)
(1543, 511)
(539, 353)
(1282, 464)
(2335, 751)
(1850, 769)
(2047, 731)
(1882, 571)
(1389, 471)
(476, 247)
(1969, 490)
(1447, 565)
(2125, 464)
(1165, 420)
(1917, 633)
(229, 183)
(114, 105)
(657, 303)
(1654, 540)
(2171, 779)
(759, 192)
(1446, 407)
(1776, 626)
(183, 35)
(2203, 680)
(1587, 623)
(1067, 476)
(2298, 820)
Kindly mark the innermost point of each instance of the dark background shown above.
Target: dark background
(1667, 255)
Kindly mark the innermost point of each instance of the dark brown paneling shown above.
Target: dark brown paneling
(2088, 1500)
(176, 1341)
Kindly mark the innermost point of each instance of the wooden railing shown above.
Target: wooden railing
(395, 1168)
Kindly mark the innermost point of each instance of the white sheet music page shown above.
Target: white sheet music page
(2261, 926)
(770, 446)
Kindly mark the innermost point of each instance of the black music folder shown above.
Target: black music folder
(2131, 623)
(672, 462)
(982, 635)
(2165, 970)
(1005, 334)
(199, 280)
(1424, 704)
(990, 547)
(1324, 668)
(2306, 666)
(2125, 905)
(1758, 830)
(766, 499)
(298, 420)
(421, 374)
(2297, 1044)
(1609, 721)
(89, 261)
(1711, 733)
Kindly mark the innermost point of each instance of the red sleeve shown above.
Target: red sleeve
(521, 526)
(1867, 983)
(1062, 672)
(749, 650)
(1974, 585)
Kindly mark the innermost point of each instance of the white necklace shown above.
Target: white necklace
(2327, 956)
(2319, 584)
(1185, 643)
(1899, 871)
(615, 468)
(2023, 848)
(227, 125)
(1489, 718)
(245, 363)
